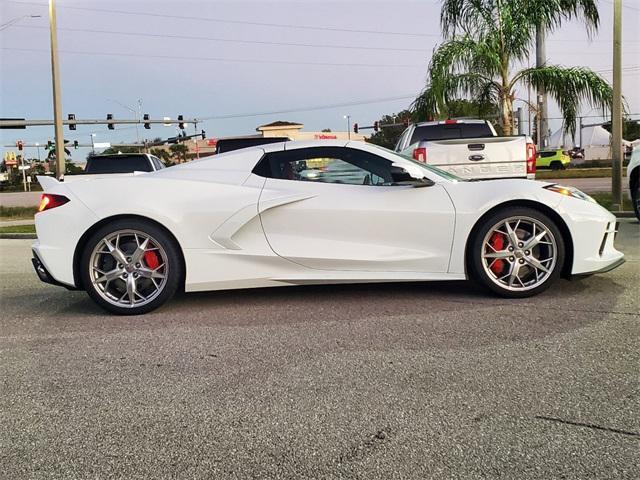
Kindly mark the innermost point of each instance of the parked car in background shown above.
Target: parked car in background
(470, 149)
(633, 174)
(117, 164)
(229, 144)
(122, 163)
(557, 159)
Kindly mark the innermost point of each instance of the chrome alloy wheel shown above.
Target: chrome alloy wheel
(128, 268)
(519, 253)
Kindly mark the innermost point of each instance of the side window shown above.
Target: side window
(158, 165)
(400, 144)
(327, 165)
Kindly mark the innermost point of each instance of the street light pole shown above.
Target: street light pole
(616, 110)
(57, 97)
(93, 145)
(348, 117)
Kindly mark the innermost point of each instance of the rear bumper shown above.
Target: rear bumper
(43, 273)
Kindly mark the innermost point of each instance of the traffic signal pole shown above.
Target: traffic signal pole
(57, 96)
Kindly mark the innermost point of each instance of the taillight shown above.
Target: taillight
(49, 201)
(450, 121)
(531, 158)
(420, 154)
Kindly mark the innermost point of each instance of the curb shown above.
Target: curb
(18, 236)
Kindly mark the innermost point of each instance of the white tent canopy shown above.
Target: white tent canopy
(596, 142)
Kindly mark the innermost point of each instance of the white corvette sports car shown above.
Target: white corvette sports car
(311, 213)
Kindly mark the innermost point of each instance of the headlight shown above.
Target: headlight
(570, 192)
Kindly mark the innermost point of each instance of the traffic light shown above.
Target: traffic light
(376, 127)
(355, 128)
(145, 117)
(20, 145)
(110, 125)
(75, 144)
(49, 145)
(203, 134)
(72, 116)
(181, 124)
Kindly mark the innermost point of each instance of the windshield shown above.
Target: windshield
(438, 171)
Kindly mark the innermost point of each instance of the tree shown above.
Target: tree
(179, 151)
(121, 149)
(162, 153)
(388, 136)
(486, 39)
(630, 129)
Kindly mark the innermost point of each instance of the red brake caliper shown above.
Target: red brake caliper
(151, 259)
(497, 242)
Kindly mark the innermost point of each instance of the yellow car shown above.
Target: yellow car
(554, 159)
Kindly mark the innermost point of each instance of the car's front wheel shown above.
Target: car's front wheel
(517, 252)
(130, 267)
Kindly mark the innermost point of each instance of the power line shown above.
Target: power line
(233, 22)
(227, 40)
(625, 6)
(308, 109)
(217, 59)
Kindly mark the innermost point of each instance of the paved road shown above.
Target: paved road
(19, 199)
(370, 381)
(590, 185)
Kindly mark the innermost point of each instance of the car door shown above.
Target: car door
(337, 208)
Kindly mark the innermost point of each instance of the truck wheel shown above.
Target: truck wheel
(130, 267)
(517, 252)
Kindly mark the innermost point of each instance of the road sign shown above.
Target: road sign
(102, 145)
(24, 167)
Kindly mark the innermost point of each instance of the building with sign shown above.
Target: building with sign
(294, 132)
(291, 130)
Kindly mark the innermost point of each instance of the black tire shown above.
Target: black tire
(556, 165)
(175, 266)
(635, 199)
(477, 270)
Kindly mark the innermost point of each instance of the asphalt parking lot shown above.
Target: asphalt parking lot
(366, 381)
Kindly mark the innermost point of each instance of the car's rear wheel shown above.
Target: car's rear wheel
(517, 252)
(635, 199)
(130, 267)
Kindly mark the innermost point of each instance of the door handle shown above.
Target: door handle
(476, 146)
(476, 158)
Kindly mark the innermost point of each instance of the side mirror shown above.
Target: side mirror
(401, 176)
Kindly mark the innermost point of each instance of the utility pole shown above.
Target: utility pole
(57, 97)
(539, 122)
(616, 109)
(348, 119)
(24, 172)
(541, 61)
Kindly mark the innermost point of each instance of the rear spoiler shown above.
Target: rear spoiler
(47, 182)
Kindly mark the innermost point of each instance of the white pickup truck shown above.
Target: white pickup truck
(469, 149)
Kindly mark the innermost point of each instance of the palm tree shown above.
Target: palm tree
(487, 45)
(179, 151)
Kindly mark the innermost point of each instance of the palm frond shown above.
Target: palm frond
(570, 87)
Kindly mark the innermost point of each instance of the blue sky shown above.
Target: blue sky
(394, 40)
